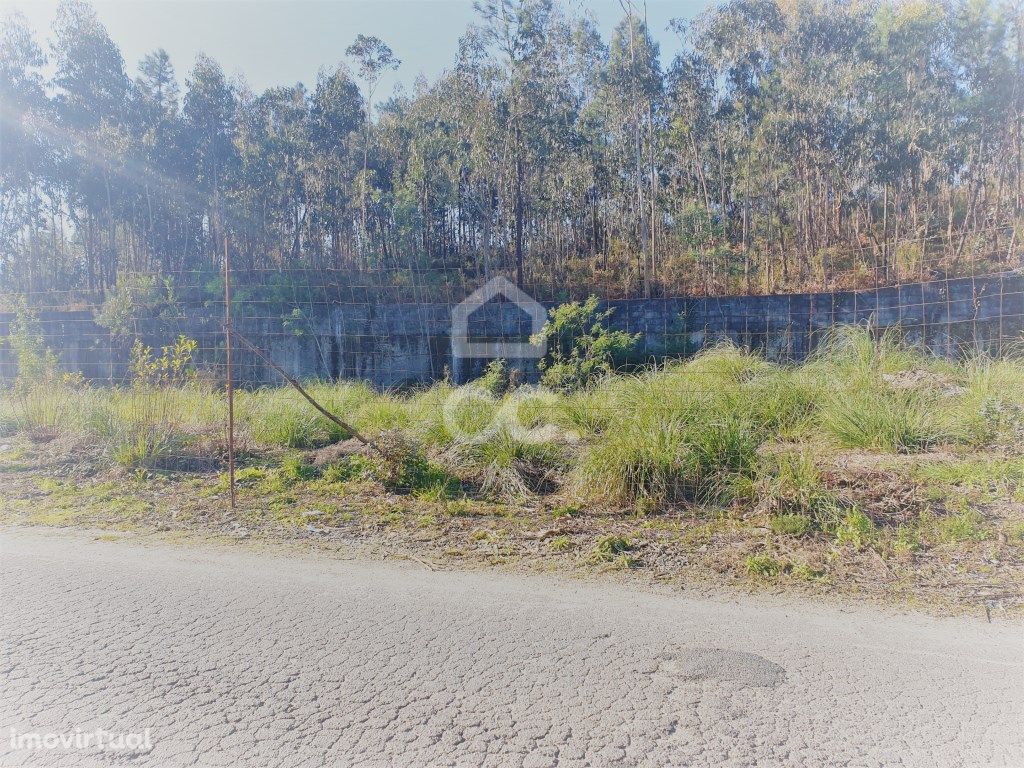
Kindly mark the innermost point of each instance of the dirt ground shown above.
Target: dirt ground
(934, 545)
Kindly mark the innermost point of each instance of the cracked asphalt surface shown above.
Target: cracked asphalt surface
(244, 659)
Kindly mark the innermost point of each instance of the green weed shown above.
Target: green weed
(791, 525)
(560, 544)
(608, 548)
(764, 565)
(967, 525)
(855, 529)
(804, 572)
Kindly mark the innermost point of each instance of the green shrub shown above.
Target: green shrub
(172, 368)
(349, 468)
(907, 540)
(406, 468)
(496, 378)
(991, 409)
(564, 510)
(614, 550)
(581, 348)
(560, 544)
(805, 572)
(135, 298)
(295, 469)
(37, 364)
(247, 477)
(607, 548)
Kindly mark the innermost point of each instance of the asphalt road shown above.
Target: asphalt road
(239, 659)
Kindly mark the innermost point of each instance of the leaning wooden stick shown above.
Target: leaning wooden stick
(343, 424)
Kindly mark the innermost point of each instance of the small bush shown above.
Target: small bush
(348, 468)
(37, 364)
(172, 368)
(295, 469)
(407, 468)
(581, 348)
(496, 378)
(991, 408)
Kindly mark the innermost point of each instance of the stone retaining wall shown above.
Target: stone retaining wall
(402, 344)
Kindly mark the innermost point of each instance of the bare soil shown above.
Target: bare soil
(51, 481)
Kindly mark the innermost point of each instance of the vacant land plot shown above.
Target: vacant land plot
(871, 469)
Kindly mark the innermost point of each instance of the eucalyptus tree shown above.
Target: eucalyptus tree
(336, 115)
(91, 95)
(519, 31)
(24, 147)
(788, 145)
(166, 195)
(373, 57)
(631, 89)
(209, 131)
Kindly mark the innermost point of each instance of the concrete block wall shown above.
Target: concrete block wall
(395, 345)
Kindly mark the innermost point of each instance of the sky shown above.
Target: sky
(281, 42)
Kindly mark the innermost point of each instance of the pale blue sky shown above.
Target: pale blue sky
(279, 42)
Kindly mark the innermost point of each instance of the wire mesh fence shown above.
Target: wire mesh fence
(332, 358)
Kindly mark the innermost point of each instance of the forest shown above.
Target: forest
(785, 145)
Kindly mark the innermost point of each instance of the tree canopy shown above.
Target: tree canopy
(786, 145)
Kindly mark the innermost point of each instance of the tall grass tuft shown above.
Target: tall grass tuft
(681, 432)
(858, 406)
(147, 426)
(873, 418)
(789, 486)
(281, 417)
(991, 408)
